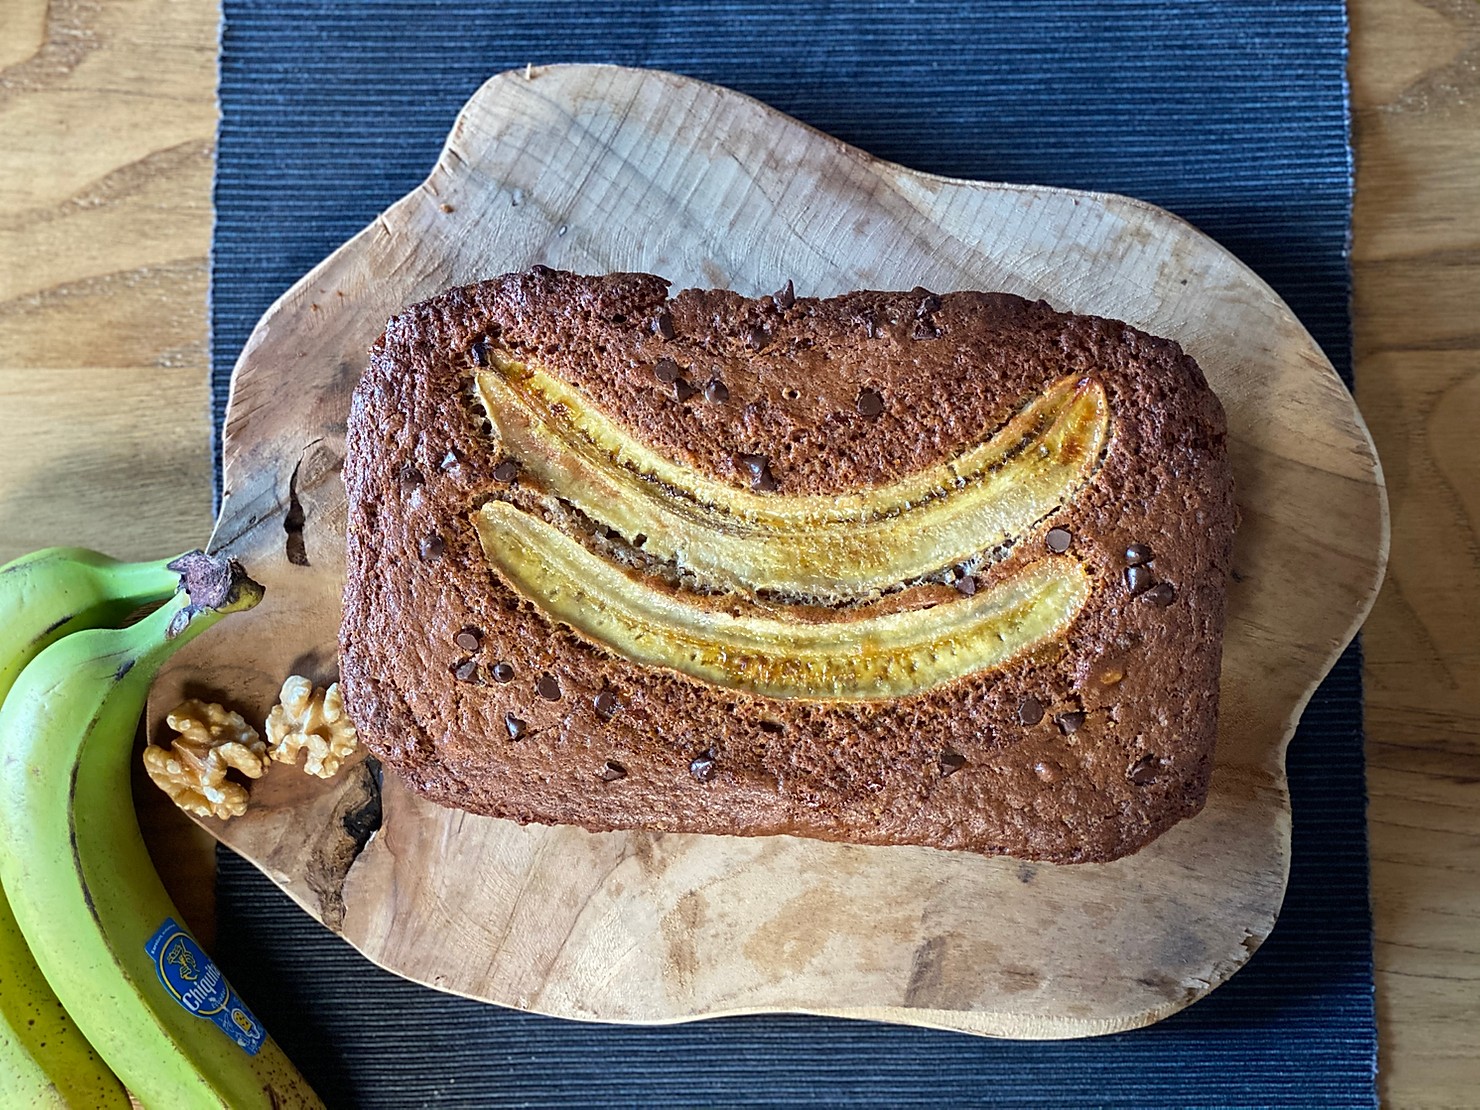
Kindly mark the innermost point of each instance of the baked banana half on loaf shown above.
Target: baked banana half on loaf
(886, 568)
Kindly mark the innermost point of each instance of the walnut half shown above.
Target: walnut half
(192, 770)
(310, 719)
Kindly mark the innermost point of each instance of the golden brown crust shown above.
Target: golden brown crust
(698, 758)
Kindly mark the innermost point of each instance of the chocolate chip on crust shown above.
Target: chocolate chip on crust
(1138, 579)
(1161, 595)
(1138, 553)
(925, 329)
(870, 403)
(1144, 771)
(1069, 723)
(759, 467)
(1030, 711)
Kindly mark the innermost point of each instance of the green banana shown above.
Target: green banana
(44, 1058)
(47, 594)
(79, 878)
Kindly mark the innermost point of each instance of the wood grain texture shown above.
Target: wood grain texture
(1415, 74)
(598, 169)
(107, 118)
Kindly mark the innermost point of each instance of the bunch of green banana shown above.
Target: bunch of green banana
(77, 875)
(44, 1058)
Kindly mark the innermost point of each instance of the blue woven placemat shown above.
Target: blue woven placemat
(1233, 115)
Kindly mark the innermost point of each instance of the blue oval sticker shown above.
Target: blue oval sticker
(194, 981)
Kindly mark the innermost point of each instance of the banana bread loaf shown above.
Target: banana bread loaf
(886, 568)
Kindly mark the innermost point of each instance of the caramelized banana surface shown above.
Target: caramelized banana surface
(736, 644)
(830, 548)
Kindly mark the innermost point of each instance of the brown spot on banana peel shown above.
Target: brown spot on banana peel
(54, 625)
(830, 547)
(859, 655)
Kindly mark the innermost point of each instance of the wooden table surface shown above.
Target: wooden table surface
(107, 115)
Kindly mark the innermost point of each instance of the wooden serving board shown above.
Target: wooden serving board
(598, 169)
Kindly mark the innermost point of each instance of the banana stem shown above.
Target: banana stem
(141, 583)
(207, 588)
(210, 587)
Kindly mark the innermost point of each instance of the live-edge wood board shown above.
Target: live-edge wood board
(599, 168)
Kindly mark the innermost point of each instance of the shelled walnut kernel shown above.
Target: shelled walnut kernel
(192, 769)
(310, 719)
